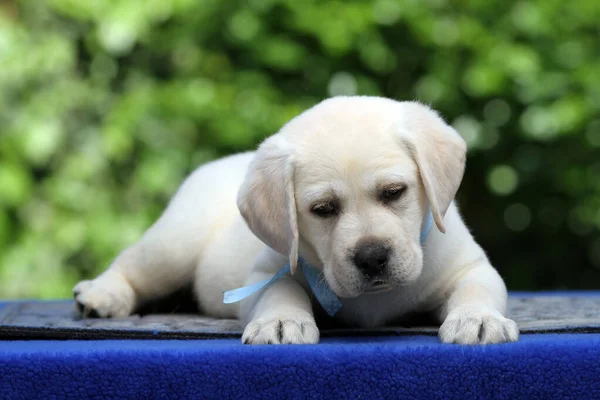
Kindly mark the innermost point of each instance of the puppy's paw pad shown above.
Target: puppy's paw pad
(100, 298)
(476, 326)
(281, 330)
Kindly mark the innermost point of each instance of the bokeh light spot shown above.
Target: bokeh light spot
(470, 129)
(489, 138)
(244, 25)
(445, 32)
(517, 217)
(539, 123)
(117, 37)
(429, 89)
(386, 12)
(503, 180)
(342, 84)
(497, 112)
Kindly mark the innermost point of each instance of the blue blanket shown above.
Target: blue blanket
(539, 366)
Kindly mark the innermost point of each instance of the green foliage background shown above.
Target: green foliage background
(106, 105)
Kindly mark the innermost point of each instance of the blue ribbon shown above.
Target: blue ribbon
(426, 227)
(326, 297)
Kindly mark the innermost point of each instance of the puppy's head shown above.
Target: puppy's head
(348, 183)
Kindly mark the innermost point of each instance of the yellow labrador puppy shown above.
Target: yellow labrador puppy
(350, 187)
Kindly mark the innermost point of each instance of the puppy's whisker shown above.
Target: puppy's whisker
(321, 278)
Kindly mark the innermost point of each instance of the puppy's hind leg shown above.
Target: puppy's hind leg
(160, 263)
(165, 258)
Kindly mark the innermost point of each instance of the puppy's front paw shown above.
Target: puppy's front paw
(284, 329)
(478, 326)
(106, 296)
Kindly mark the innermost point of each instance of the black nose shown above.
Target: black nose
(371, 257)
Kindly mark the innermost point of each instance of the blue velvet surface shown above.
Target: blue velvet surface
(540, 366)
(537, 367)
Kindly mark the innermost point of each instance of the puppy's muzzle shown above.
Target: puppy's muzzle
(371, 258)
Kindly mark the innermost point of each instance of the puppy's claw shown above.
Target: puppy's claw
(106, 296)
(281, 330)
(478, 326)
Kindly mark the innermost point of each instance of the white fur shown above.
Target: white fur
(343, 151)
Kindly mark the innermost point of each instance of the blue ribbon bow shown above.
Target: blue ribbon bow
(326, 297)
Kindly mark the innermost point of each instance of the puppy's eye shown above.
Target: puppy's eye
(392, 193)
(324, 210)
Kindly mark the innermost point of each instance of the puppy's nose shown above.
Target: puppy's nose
(371, 258)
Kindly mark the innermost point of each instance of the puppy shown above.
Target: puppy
(348, 186)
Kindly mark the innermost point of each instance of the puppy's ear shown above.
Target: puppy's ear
(440, 154)
(266, 198)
